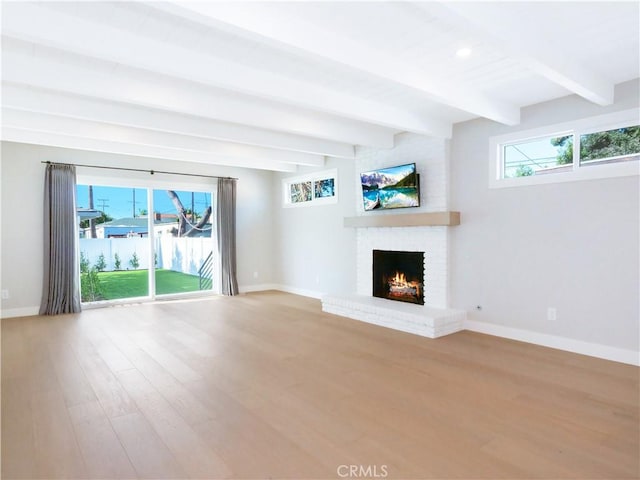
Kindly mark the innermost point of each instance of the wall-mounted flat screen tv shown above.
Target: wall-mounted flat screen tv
(393, 187)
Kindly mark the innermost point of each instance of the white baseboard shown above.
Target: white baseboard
(19, 312)
(606, 352)
(300, 291)
(283, 288)
(257, 288)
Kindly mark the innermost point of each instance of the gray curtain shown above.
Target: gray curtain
(226, 223)
(60, 289)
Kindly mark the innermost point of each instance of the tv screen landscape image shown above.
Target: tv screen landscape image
(393, 187)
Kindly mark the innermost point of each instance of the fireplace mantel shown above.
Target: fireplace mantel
(429, 219)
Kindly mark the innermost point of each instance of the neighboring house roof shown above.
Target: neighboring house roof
(88, 213)
(134, 222)
(167, 216)
(139, 225)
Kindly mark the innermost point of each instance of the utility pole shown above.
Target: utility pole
(104, 205)
(133, 202)
(92, 222)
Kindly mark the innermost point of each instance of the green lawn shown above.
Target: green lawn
(134, 283)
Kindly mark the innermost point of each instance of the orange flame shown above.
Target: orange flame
(400, 279)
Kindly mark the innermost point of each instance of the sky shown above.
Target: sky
(117, 202)
(535, 149)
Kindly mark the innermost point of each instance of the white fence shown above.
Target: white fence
(184, 255)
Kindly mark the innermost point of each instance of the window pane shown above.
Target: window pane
(114, 248)
(184, 245)
(611, 146)
(538, 157)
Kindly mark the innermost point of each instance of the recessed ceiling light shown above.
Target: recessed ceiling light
(463, 52)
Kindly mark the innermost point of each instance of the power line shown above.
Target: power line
(527, 156)
(104, 205)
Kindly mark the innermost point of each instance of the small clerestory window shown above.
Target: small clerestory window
(599, 147)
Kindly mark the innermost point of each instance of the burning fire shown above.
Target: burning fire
(399, 286)
(399, 279)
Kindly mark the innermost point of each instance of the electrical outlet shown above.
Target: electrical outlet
(5, 294)
(552, 314)
(255, 274)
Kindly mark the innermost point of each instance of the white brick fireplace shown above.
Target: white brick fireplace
(435, 318)
(432, 241)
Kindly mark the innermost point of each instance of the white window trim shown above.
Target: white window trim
(583, 126)
(311, 177)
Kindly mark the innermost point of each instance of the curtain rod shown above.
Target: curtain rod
(138, 170)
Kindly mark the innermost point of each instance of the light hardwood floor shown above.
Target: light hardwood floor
(267, 386)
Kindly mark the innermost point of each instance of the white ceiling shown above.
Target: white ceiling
(274, 85)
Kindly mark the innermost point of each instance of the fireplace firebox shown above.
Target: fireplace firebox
(399, 276)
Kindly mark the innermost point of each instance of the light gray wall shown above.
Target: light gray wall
(315, 253)
(573, 246)
(518, 251)
(22, 184)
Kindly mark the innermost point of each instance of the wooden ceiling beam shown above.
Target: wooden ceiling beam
(263, 23)
(102, 132)
(20, 97)
(68, 73)
(33, 23)
(495, 25)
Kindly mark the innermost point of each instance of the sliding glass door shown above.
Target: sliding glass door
(183, 241)
(125, 252)
(114, 243)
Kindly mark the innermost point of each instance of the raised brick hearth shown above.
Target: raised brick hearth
(418, 319)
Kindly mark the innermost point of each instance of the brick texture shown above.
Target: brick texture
(431, 158)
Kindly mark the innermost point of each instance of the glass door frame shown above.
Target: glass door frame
(207, 186)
